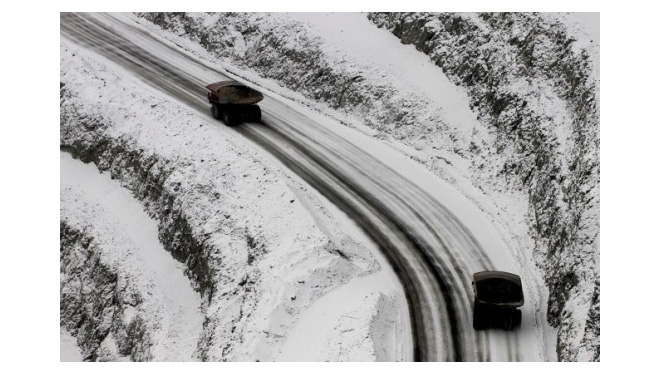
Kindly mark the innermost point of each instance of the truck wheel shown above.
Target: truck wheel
(229, 117)
(517, 319)
(215, 111)
(512, 320)
(478, 323)
(255, 113)
(479, 317)
(508, 323)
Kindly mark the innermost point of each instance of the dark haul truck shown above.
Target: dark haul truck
(233, 102)
(497, 296)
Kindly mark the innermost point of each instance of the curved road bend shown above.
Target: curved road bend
(430, 250)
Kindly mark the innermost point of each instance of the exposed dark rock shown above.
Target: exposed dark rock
(92, 300)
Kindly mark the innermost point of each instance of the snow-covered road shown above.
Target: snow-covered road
(433, 237)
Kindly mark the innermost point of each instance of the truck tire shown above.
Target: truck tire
(508, 323)
(478, 323)
(517, 319)
(215, 111)
(254, 113)
(230, 117)
(512, 320)
(480, 318)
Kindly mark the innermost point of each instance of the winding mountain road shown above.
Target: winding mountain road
(430, 249)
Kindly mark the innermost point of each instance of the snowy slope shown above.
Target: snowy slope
(126, 241)
(69, 351)
(348, 43)
(362, 80)
(533, 79)
(268, 244)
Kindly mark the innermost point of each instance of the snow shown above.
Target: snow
(584, 27)
(497, 226)
(352, 35)
(472, 208)
(294, 220)
(376, 47)
(586, 21)
(90, 198)
(350, 38)
(69, 351)
(321, 330)
(496, 220)
(323, 320)
(134, 222)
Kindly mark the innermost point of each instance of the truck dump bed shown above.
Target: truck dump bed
(233, 92)
(498, 288)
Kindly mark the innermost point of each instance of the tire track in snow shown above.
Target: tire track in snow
(428, 284)
(437, 280)
(429, 348)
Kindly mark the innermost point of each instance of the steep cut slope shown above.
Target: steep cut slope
(538, 95)
(122, 294)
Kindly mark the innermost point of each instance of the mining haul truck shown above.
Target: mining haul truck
(497, 296)
(234, 103)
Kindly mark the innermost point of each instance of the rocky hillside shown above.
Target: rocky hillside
(95, 299)
(538, 94)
